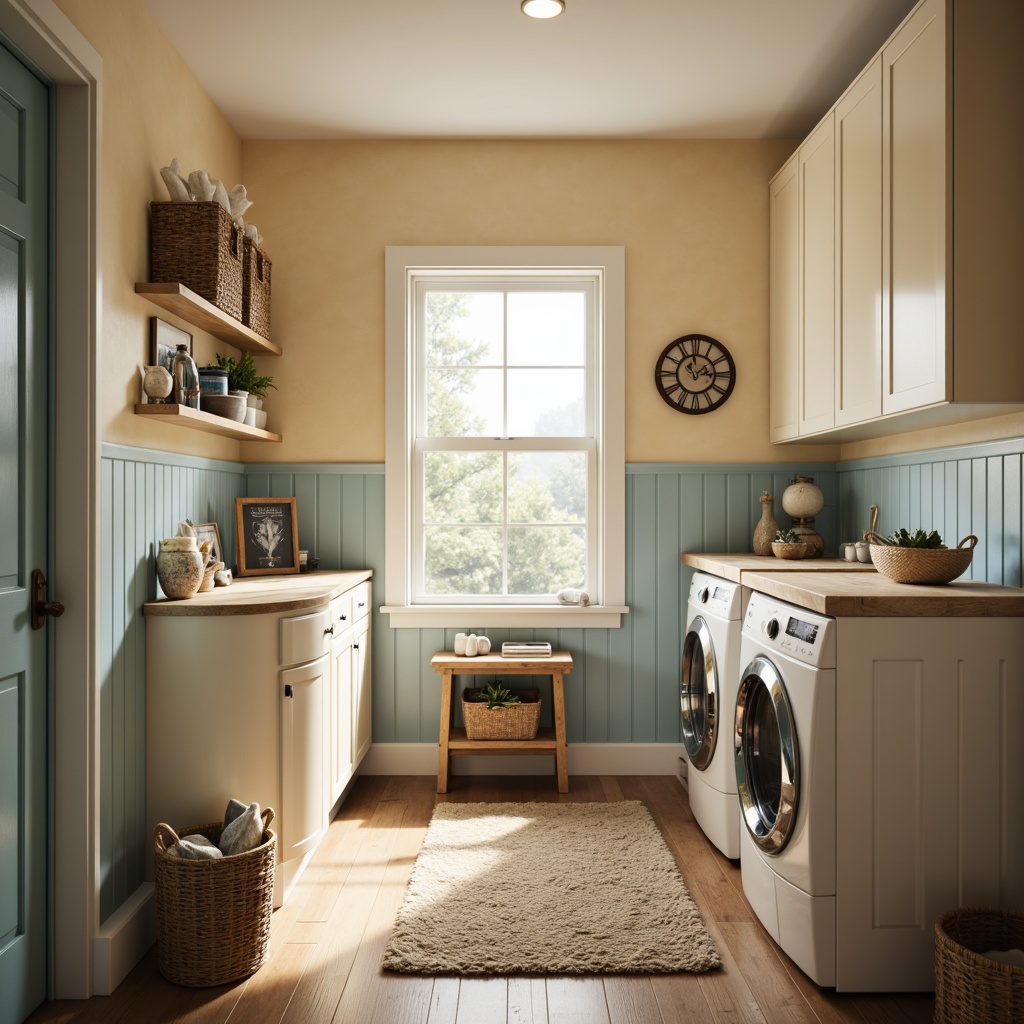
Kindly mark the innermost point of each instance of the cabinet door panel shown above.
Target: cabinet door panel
(362, 686)
(859, 247)
(817, 279)
(914, 213)
(340, 716)
(302, 756)
(784, 204)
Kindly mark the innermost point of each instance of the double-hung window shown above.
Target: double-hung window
(504, 454)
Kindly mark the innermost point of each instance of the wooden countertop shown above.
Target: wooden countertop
(731, 565)
(254, 595)
(864, 594)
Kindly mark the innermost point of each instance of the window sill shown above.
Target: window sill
(452, 616)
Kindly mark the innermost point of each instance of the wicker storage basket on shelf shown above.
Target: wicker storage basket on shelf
(971, 988)
(213, 916)
(921, 565)
(255, 288)
(200, 246)
(518, 722)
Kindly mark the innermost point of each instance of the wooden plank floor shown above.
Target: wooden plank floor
(327, 941)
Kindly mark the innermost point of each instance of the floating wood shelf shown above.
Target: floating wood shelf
(184, 302)
(196, 419)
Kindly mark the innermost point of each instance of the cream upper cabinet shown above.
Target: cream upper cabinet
(858, 264)
(928, 253)
(817, 279)
(784, 369)
(914, 213)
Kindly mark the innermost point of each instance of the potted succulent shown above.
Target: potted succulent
(787, 544)
(242, 375)
(495, 712)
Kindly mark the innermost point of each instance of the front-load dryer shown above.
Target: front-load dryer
(710, 674)
(785, 762)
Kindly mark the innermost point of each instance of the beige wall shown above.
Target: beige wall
(153, 110)
(692, 216)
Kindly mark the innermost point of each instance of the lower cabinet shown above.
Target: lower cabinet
(272, 706)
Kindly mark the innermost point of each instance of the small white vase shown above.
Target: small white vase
(460, 644)
(483, 645)
(472, 648)
(157, 383)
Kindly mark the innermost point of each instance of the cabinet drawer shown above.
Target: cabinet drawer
(305, 637)
(360, 601)
(341, 612)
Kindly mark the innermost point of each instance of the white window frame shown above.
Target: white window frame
(605, 265)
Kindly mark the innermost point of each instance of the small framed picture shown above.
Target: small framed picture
(164, 339)
(210, 532)
(267, 534)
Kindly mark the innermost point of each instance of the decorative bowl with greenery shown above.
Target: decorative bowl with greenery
(242, 375)
(787, 544)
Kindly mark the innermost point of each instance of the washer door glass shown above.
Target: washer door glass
(766, 756)
(698, 695)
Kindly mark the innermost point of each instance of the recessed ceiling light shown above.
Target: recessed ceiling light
(543, 8)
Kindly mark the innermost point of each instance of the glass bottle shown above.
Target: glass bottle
(186, 378)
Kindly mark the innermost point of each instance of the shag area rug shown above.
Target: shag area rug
(524, 888)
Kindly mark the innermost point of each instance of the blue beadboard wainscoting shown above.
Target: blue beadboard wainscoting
(972, 489)
(624, 686)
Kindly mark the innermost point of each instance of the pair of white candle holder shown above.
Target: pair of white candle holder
(472, 645)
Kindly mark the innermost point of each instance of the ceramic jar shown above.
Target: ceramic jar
(157, 383)
(179, 567)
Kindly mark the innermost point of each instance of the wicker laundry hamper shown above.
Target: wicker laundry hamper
(213, 916)
(518, 722)
(971, 988)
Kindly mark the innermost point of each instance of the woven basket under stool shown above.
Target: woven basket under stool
(971, 988)
(213, 916)
(518, 722)
(198, 245)
(255, 288)
(921, 565)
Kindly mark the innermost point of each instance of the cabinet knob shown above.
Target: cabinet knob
(329, 629)
(355, 647)
(288, 691)
(343, 617)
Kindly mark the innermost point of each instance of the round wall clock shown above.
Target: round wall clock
(695, 374)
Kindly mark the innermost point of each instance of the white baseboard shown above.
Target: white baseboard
(124, 938)
(584, 759)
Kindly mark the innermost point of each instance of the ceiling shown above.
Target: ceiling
(624, 69)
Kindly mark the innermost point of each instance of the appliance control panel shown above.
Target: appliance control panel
(791, 631)
(716, 596)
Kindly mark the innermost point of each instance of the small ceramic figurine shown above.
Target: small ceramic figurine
(177, 186)
(460, 644)
(472, 650)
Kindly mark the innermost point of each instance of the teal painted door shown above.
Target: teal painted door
(24, 203)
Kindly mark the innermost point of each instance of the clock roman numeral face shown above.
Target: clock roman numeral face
(695, 374)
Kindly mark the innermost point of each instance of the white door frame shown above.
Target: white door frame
(45, 35)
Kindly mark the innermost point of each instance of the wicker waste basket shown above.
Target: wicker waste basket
(518, 722)
(971, 988)
(213, 916)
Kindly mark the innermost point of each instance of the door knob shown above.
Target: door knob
(40, 606)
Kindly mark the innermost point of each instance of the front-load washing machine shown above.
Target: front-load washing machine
(710, 675)
(879, 768)
(785, 763)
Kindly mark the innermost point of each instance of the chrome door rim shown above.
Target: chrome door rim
(770, 836)
(699, 750)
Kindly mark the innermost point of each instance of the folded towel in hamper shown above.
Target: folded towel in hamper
(195, 847)
(243, 830)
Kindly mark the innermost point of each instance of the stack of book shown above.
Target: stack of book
(525, 649)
